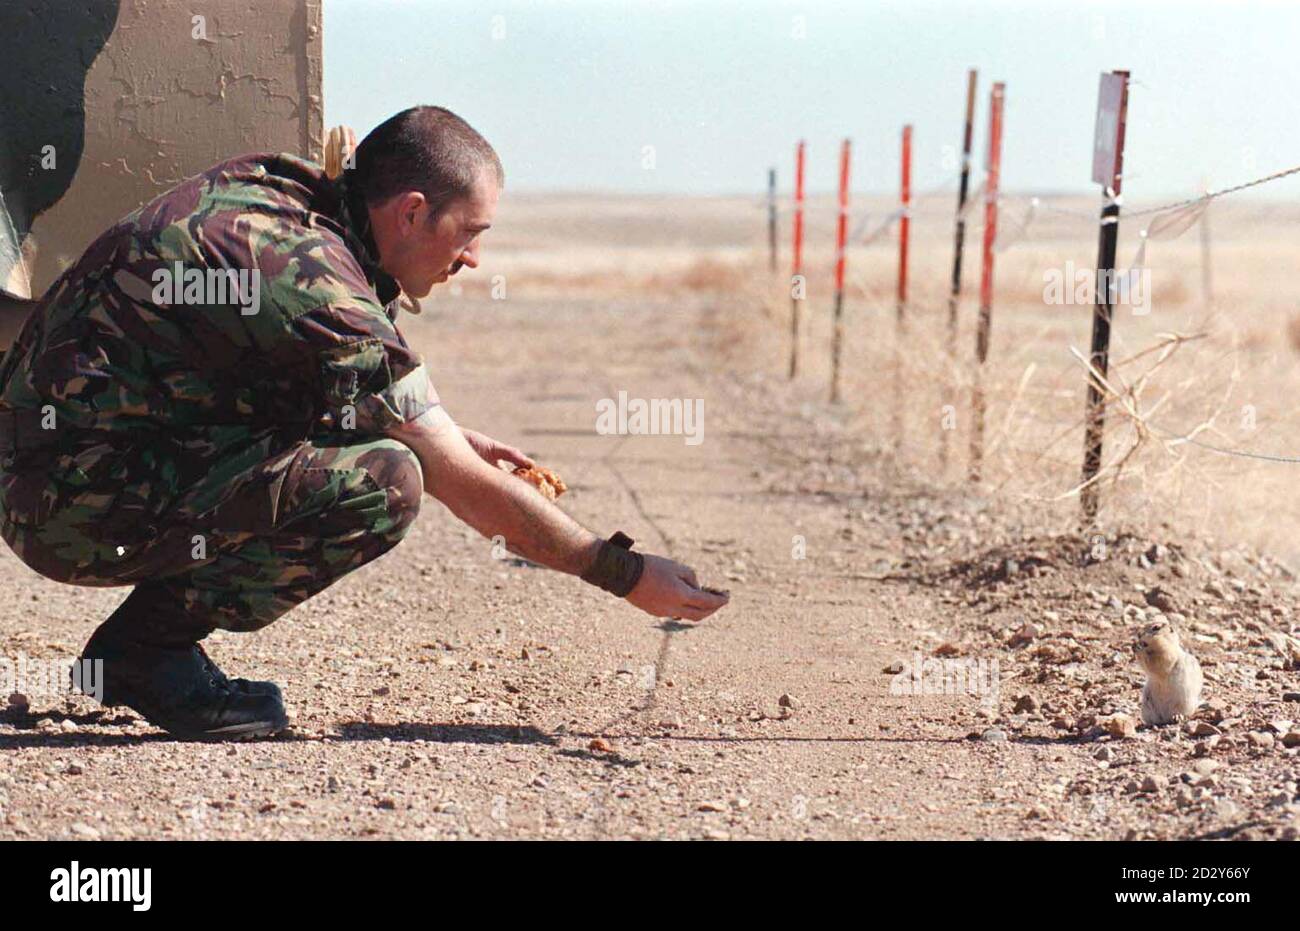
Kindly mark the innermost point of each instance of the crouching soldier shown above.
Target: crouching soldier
(215, 406)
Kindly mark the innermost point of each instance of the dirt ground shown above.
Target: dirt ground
(442, 692)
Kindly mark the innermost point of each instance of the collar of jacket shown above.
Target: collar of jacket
(355, 218)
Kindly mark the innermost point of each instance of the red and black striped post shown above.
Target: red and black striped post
(992, 177)
(954, 295)
(796, 283)
(1107, 170)
(900, 318)
(841, 234)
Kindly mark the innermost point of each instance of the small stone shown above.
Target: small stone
(1119, 726)
(1260, 739)
(381, 691)
(1160, 599)
(1027, 633)
(84, 830)
(1026, 704)
(1201, 729)
(386, 804)
(711, 806)
(1104, 755)
(68, 726)
(19, 702)
(1291, 696)
(947, 649)
(73, 770)
(1292, 739)
(1204, 767)
(893, 669)
(1226, 808)
(1150, 785)
(600, 745)
(994, 735)
(787, 701)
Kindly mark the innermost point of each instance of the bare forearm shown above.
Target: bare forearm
(495, 503)
(532, 527)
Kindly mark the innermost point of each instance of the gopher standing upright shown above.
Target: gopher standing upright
(1173, 688)
(215, 405)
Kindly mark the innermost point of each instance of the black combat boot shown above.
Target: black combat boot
(153, 664)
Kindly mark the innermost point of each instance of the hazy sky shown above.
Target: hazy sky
(571, 94)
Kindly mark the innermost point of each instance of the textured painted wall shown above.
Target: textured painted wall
(165, 96)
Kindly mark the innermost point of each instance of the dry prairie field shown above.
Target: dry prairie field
(1214, 364)
(444, 692)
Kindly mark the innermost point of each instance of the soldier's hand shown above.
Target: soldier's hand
(669, 589)
(490, 450)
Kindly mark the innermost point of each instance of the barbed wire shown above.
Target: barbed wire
(1211, 195)
(1223, 451)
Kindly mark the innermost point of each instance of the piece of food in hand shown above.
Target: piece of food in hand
(547, 482)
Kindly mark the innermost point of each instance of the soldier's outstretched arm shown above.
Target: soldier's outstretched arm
(495, 503)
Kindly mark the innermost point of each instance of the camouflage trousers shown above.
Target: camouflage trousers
(297, 522)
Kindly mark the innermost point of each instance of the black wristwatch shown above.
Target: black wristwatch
(616, 569)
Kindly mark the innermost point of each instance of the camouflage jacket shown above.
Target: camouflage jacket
(237, 311)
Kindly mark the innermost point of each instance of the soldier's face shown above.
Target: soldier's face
(421, 252)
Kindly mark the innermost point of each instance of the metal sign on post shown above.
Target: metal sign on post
(993, 168)
(959, 244)
(1107, 170)
(841, 235)
(1108, 135)
(797, 285)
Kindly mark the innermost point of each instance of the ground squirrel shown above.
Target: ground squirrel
(1173, 689)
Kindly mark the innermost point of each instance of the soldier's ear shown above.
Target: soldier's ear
(411, 209)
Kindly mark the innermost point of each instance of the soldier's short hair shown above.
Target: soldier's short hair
(426, 149)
